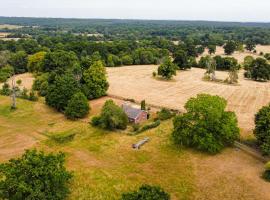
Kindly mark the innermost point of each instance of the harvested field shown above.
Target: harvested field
(136, 82)
(27, 80)
(240, 56)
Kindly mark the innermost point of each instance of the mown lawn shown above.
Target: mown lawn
(103, 163)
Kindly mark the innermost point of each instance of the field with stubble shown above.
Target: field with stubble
(136, 82)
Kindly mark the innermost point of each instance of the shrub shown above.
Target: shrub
(262, 129)
(78, 106)
(154, 74)
(143, 105)
(146, 192)
(63, 137)
(32, 96)
(5, 73)
(35, 176)
(24, 94)
(167, 69)
(149, 126)
(19, 82)
(165, 114)
(6, 91)
(96, 121)
(111, 117)
(206, 125)
(266, 174)
(135, 127)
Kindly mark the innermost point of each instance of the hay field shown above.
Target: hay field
(240, 56)
(137, 82)
(9, 26)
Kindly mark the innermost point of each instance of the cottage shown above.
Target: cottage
(135, 115)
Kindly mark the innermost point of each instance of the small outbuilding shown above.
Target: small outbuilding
(135, 114)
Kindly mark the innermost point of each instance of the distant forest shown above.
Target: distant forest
(201, 32)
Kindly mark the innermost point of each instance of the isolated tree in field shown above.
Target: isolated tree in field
(95, 83)
(262, 129)
(61, 90)
(250, 45)
(36, 61)
(233, 74)
(206, 125)
(210, 68)
(260, 70)
(167, 69)
(212, 49)
(230, 47)
(147, 192)
(35, 176)
(111, 117)
(78, 106)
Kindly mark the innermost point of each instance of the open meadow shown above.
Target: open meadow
(105, 165)
(137, 82)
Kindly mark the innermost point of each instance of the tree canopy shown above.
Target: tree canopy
(206, 125)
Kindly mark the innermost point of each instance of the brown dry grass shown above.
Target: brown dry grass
(240, 56)
(26, 78)
(137, 82)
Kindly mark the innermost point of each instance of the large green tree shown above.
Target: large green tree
(60, 91)
(262, 129)
(78, 106)
(167, 69)
(19, 62)
(230, 47)
(95, 83)
(35, 175)
(206, 125)
(36, 61)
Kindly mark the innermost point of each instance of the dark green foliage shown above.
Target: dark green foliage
(41, 84)
(61, 90)
(127, 60)
(267, 56)
(167, 69)
(143, 105)
(143, 56)
(35, 176)
(19, 62)
(113, 61)
(165, 114)
(32, 96)
(225, 63)
(230, 47)
(266, 174)
(6, 72)
(259, 70)
(212, 49)
(111, 117)
(250, 45)
(181, 60)
(95, 83)
(149, 126)
(61, 60)
(6, 91)
(262, 129)
(78, 106)
(206, 125)
(147, 192)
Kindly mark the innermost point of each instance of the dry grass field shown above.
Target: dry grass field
(105, 165)
(27, 80)
(137, 82)
(240, 56)
(9, 26)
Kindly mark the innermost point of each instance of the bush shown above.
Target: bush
(266, 174)
(78, 106)
(111, 117)
(135, 127)
(6, 91)
(154, 74)
(149, 126)
(35, 176)
(262, 129)
(167, 69)
(63, 137)
(146, 192)
(206, 125)
(32, 96)
(165, 114)
(5, 73)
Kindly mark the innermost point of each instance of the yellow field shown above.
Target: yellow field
(137, 82)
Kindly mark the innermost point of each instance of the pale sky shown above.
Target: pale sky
(215, 10)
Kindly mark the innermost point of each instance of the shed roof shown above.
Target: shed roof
(131, 112)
